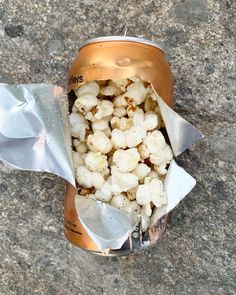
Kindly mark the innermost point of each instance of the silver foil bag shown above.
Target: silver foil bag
(35, 135)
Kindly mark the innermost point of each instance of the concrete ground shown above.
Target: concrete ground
(38, 41)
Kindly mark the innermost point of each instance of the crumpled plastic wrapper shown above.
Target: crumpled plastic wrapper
(35, 135)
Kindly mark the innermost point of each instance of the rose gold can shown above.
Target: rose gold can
(117, 58)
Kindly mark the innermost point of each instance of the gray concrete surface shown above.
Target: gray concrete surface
(38, 40)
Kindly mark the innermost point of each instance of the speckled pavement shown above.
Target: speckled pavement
(38, 41)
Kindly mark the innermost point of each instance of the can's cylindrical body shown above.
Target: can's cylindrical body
(117, 58)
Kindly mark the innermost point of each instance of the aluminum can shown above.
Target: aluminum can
(117, 58)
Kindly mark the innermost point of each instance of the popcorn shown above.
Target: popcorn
(131, 194)
(121, 84)
(142, 171)
(126, 160)
(146, 210)
(133, 208)
(77, 159)
(104, 109)
(78, 126)
(143, 194)
(121, 157)
(98, 180)
(143, 151)
(120, 101)
(110, 90)
(154, 141)
(118, 139)
(99, 142)
(84, 177)
(88, 179)
(120, 201)
(136, 92)
(131, 109)
(107, 132)
(81, 147)
(96, 161)
(121, 123)
(86, 102)
(138, 117)
(161, 170)
(119, 112)
(151, 120)
(156, 191)
(145, 220)
(102, 124)
(162, 157)
(135, 135)
(104, 193)
(126, 181)
(89, 88)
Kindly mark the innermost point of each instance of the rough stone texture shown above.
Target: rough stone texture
(38, 40)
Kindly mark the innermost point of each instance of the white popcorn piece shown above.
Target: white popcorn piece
(134, 79)
(95, 161)
(135, 135)
(99, 142)
(81, 147)
(155, 141)
(151, 120)
(143, 151)
(78, 126)
(104, 108)
(91, 88)
(107, 132)
(84, 177)
(156, 191)
(104, 193)
(146, 210)
(101, 124)
(138, 117)
(121, 123)
(133, 208)
(90, 117)
(110, 90)
(126, 160)
(131, 109)
(119, 112)
(120, 201)
(147, 180)
(126, 181)
(145, 221)
(118, 139)
(143, 195)
(162, 157)
(114, 187)
(98, 180)
(153, 174)
(121, 84)
(161, 170)
(86, 102)
(120, 101)
(77, 160)
(136, 92)
(131, 194)
(142, 170)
